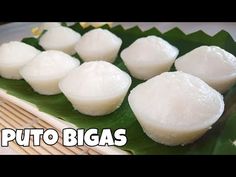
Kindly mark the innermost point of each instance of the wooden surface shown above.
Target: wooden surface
(12, 116)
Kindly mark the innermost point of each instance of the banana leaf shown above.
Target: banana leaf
(219, 140)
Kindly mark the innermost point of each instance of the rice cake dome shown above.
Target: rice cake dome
(98, 44)
(212, 64)
(96, 88)
(45, 71)
(37, 31)
(13, 56)
(48, 25)
(95, 24)
(148, 57)
(60, 38)
(175, 108)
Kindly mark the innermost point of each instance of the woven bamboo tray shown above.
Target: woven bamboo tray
(18, 114)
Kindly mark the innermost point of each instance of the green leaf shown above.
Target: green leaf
(216, 141)
(33, 42)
